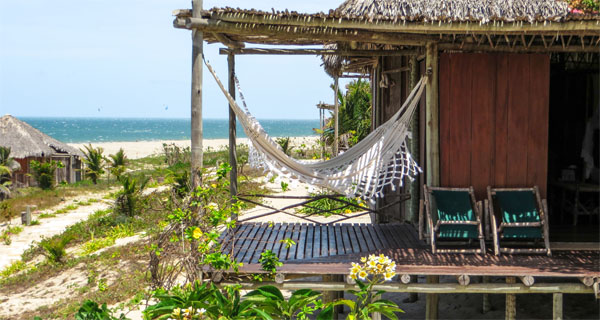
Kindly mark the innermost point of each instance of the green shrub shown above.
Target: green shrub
(90, 310)
(129, 199)
(54, 248)
(43, 172)
(117, 163)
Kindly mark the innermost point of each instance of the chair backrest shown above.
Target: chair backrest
(517, 206)
(452, 205)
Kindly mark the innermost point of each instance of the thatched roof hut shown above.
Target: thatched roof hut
(27, 141)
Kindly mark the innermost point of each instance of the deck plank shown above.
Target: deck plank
(361, 238)
(331, 236)
(301, 243)
(339, 241)
(263, 243)
(255, 243)
(277, 245)
(288, 235)
(309, 241)
(250, 238)
(317, 242)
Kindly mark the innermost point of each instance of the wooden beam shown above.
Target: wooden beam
(517, 49)
(224, 39)
(405, 278)
(233, 186)
(314, 36)
(486, 303)
(432, 300)
(463, 279)
(336, 116)
(511, 302)
(348, 53)
(557, 306)
(196, 100)
(413, 147)
(391, 25)
(432, 147)
(527, 280)
(588, 281)
(437, 288)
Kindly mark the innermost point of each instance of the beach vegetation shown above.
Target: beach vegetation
(269, 303)
(90, 310)
(9, 232)
(284, 143)
(129, 199)
(354, 120)
(94, 162)
(117, 163)
(327, 206)
(54, 248)
(7, 166)
(43, 172)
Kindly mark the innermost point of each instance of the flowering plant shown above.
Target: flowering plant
(371, 271)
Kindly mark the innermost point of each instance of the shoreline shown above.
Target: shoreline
(141, 149)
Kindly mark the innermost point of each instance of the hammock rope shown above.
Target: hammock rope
(381, 159)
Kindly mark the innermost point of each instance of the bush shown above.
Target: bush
(43, 172)
(54, 248)
(128, 200)
(91, 311)
(94, 162)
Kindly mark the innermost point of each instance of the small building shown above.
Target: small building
(28, 143)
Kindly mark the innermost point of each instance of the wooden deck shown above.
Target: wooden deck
(329, 249)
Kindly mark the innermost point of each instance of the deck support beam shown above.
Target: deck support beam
(329, 296)
(431, 301)
(511, 301)
(196, 107)
(432, 145)
(557, 306)
(233, 187)
(486, 303)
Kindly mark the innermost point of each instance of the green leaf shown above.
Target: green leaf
(326, 314)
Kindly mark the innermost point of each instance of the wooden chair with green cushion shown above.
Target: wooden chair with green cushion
(454, 217)
(518, 216)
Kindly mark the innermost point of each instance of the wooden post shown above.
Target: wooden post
(431, 300)
(413, 146)
(197, 44)
(232, 134)
(432, 145)
(486, 304)
(557, 306)
(336, 117)
(329, 296)
(511, 302)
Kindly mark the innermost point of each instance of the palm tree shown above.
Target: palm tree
(7, 166)
(117, 163)
(94, 162)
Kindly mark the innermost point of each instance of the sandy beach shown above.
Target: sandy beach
(140, 149)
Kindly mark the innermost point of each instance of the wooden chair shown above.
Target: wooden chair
(454, 217)
(518, 217)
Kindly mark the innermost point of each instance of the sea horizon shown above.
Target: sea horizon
(94, 129)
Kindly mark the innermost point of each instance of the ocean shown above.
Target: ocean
(79, 130)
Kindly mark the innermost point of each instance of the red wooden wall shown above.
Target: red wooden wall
(494, 120)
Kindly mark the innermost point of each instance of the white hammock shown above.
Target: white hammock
(380, 159)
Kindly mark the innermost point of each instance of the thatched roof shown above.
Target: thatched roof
(27, 141)
(482, 11)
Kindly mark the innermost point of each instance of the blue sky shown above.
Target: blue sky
(123, 58)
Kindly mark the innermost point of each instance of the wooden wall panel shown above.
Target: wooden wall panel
(518, 120)
(444, 99)
(537, 144)
(460, 121)
(494, 120)
(501, 121)
(482, 121)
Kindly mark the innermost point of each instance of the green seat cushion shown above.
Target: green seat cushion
(455, 206)
(519, 206)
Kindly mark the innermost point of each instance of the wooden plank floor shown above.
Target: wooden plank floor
(329, 249)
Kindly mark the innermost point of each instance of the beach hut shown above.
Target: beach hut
(28, 143)
(511, 88)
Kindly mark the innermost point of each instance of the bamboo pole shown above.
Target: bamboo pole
(413, 145)
(196, 99)
(557, 306)
(431, 287)
(568, 27)
(486, 303)
(511, 301)
(432, 117)
(431, 300)
(336, 113)
(348, 53)
(233, 186)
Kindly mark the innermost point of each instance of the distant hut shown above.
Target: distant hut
(27, 143)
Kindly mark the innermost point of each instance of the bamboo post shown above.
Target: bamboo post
(232, 133)
(412, 296)
(432, 147)
(431, 300)
(413, 147)
(336, 117)
(197, 43)
(330, 296)
(511, 302)
(486, 303)
(557, 306)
